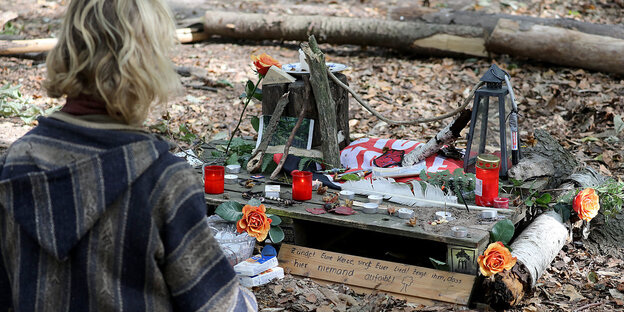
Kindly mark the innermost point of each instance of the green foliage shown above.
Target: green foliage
(240, 152)
(611, 195)
(186, 135)
(232, 160)
(14, 104)
(275, 220)
(502, 231)
(563, 209)
(230, 211)
(439, 265)
(252, 90)
(535, 199)
(457, 182)
(255, 123)
(268, 165)
(10, 29)
(276, 234)
(350, 177)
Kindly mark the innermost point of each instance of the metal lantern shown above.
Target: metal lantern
(489, 132)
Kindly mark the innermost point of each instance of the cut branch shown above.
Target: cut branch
(255, 162)
(446, 136)
(287, 146)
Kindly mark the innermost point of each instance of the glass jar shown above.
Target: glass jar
(486, 186)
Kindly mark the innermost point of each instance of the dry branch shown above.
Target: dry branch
(287, 146)
(255, 162)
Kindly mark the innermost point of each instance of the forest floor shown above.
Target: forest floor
(578, 107)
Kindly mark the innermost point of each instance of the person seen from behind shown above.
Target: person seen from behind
(95, 213)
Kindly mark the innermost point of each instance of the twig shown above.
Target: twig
(202, 87)
(249, 96)
(287, 146)
(255, 162)
(595, 304)
(405, 122)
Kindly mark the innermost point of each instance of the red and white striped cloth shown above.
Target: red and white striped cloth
(361, 153)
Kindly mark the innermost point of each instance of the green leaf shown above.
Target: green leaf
(225, 83)
(276, 220)
(592, 277)
(544, 199)
(268, 165)
(439, 265)
(232, 160)
(230, 211)
(276, 234)
(563, 209)
(350, 177)
(255, 123)
(502, 231)
(254, 202)
(249, 89)
(258, 94)
(529, 202)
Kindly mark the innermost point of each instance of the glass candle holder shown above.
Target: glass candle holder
(486, 186)
(214, 179)
(301, 185)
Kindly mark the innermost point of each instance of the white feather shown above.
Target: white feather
(401, 193)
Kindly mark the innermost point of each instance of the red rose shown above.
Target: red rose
(255, 222)
(586, 204)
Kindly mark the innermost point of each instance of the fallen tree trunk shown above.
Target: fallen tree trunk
(488, 21)
(535, 248)
(8, 47)
(416, 37)
(558, 46)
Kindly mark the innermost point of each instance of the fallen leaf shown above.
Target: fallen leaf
(571, 292)
(316, 211)
(616, 294)
(343, 210)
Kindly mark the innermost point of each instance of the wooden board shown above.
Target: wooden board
(376, 274)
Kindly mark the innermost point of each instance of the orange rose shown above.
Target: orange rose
(586, 204)
(263, 62)
(255, 222)
(495, 259)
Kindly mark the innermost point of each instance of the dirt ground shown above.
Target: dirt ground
(577, 107)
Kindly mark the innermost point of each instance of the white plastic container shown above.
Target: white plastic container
(272, 191)
(369, 208)
(232, 168)
(255, 265)
(262, 278)
(377, 199)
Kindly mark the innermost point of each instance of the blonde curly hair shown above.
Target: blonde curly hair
(116, 51)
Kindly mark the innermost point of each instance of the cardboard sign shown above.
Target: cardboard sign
(376, 274)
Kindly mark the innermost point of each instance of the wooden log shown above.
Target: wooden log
(8, 47)
(414, 37)
(302, 98)
(558, 46)
(447, 135)
(535, 248)
(488, 21)
(324, 102)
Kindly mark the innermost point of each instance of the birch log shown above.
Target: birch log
(535, 247)
(448, 135)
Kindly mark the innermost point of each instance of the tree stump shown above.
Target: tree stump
(302, 98)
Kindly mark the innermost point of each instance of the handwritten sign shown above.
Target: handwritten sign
(376, 274)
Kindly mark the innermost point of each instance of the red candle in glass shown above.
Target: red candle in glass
(301, 185)
(486, 186)
(213, 179)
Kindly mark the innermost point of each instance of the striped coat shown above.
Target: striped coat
(106, 220)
